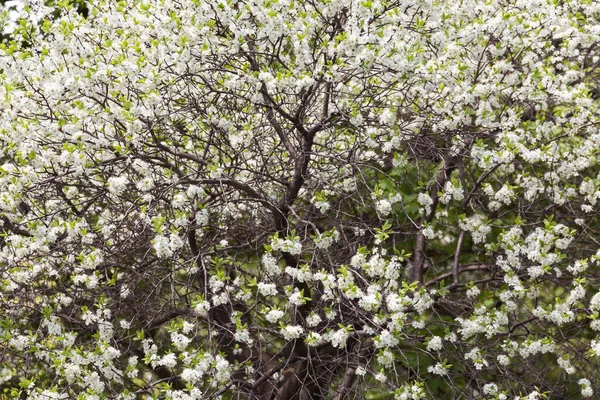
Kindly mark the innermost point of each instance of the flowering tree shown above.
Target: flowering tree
(275, 199)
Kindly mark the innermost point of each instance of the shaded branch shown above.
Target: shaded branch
(456, 266)
(350, 375)
(474, 267)
(419, 252)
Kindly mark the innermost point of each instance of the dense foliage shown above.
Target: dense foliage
(301, 199)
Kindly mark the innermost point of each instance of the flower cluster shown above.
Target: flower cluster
(235, 198)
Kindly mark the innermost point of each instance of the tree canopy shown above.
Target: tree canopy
(301, 199)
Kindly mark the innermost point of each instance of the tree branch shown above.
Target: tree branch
(350, 374)
(455, 267)
(271, 105)
(13, 228)
(187, 156)
(419, 252)
(474, 267)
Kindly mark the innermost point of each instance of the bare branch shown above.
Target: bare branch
(467, 268)
(456, 266)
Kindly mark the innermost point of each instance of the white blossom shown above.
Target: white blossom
(339, 337)
(274, 315)
(384, 207)
(117, 185)
(434, 344)
(267, 289)
(437, 369)
(586, 387)
(292, 332)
